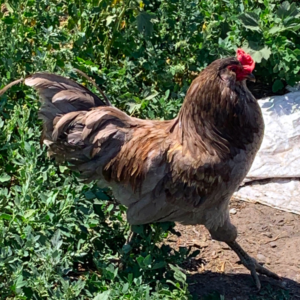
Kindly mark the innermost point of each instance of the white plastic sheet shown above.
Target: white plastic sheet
(274, 178)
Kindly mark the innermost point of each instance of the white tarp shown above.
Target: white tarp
(274, 178)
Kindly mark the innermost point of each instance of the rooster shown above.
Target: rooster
(183, 170)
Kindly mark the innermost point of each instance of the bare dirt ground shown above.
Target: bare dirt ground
(269, 235)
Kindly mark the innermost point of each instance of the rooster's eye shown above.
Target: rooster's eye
(232, 68)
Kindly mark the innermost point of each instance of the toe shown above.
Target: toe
(260, 269)
(255, 278)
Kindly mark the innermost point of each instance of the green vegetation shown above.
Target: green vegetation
(59, 238)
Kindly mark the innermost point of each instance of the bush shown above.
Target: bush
(59, 238)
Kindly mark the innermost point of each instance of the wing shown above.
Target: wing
(99, 140)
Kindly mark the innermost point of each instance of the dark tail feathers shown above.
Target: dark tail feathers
(59, 96)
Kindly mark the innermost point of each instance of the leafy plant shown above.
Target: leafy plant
(60, 238)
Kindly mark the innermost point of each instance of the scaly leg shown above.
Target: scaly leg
(251, 264)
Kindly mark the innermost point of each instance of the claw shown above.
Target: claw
(255, 268)
(251, 264)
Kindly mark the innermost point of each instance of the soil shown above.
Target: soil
(271, 236)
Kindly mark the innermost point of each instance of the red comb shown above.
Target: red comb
(246, 60)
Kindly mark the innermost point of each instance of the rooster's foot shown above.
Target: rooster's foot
(251, 264)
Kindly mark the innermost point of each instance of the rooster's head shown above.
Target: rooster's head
(239, 68)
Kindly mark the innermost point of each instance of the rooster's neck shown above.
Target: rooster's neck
(217, 117)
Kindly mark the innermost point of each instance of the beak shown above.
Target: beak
(251, 77)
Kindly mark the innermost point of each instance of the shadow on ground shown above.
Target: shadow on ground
(217, 286)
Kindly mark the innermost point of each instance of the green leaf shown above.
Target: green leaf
(125, 288)
(62, 169)
(8, 20)
(109, 19)
(257, 51)
(158, 265)
(110, 208)
(152, 96)
(140, 261)
(144, 23)
(286, 10)
(20, 283)
(276, 29)
(101, 195)
(148, 260)
(277, 85)
(55, 240)
(293, 28)
(280, 29)
(29, 213)
(5, 217)
(103, 296)
(178, 274)
(263, 53)
(250, 20)
(4, 177)
(126, 248)
(89, 195)
(138, 229)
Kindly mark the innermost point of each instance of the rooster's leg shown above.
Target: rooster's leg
(251, 264)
